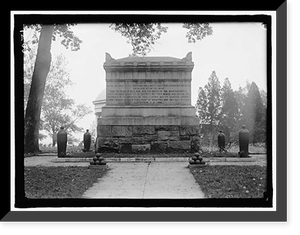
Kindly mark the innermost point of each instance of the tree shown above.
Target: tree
(229, 111)
(197, 31)
(142, 36)
(255, 114)
(40, 72)
(209, 104)
(63, 112)
(57, 109)
(241, 98)
(35, 98)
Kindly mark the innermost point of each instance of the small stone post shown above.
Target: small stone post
(62, 142)
(86, 141)
(244, 142)
(221, 141)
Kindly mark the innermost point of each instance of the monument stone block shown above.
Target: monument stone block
(121, 131)
(180, 145)
(141, 148)
(104, 131)
(188, 130)
(148, 105)
(143, 130)
(168, 135)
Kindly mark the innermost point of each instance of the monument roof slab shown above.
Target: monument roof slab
(149, 62)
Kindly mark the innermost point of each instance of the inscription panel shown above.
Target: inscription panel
(150, 92)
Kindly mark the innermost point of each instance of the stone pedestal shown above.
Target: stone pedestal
(148, 106)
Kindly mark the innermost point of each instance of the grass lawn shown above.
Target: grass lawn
(231, 181)
(59, 182)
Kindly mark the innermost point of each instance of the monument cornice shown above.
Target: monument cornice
(149, 64)
(116, 68)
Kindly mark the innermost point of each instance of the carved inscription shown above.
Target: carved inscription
(148, 92)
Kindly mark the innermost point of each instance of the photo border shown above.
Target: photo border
(162, 215)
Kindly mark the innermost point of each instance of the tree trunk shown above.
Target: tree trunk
(211, 141)
(54, 139)
(35, 99)
(211, 136)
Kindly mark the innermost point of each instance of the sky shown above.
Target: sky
(235, 50)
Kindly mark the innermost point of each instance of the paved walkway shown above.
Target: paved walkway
(146, 180)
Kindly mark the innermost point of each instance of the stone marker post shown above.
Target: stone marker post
(62, 142)
(221, 141)
(86, 141)
(244, 142)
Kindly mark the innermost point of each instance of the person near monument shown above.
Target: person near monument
(62, 142)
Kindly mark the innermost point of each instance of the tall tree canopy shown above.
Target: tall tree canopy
(228, 109)
(142, 36)
(209, 104)
(255, 113)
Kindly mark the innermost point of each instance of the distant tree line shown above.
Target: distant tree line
(222, 108)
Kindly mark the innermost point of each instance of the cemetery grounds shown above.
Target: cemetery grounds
(216, 181)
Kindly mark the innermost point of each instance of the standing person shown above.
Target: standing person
(62, 142)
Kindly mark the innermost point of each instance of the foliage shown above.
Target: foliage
(209, 101)
(57, 109)
(209, 104)
(142, 36)
(228, 110)
(60, 32)
(256, 114)
(45, 33)
(197, 31)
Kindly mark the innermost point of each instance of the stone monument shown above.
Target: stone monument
(148, 106)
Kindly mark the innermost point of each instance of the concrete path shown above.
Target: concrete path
(146, 180)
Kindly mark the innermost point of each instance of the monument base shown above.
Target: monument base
(123, 138)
